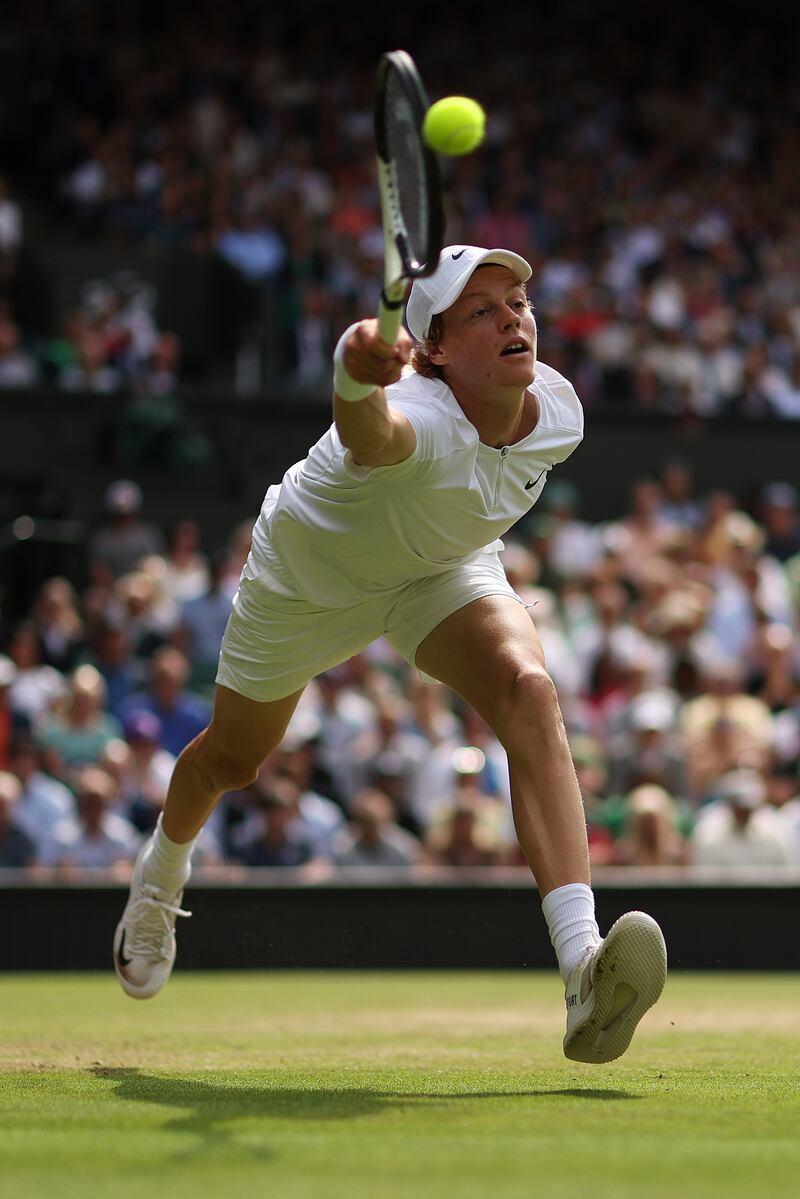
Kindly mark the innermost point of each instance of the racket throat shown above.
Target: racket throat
(394, 297)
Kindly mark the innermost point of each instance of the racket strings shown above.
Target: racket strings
(411, 207)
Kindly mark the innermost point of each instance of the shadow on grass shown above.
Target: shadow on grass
(209, 1107)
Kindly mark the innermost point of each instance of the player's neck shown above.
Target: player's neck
(501, 419)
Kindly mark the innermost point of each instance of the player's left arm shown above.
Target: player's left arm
(375, 433)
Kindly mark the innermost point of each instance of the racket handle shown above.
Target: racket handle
(390, 318)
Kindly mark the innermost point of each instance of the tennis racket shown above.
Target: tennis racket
(412, 210)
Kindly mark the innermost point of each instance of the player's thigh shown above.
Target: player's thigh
(481, 650)
(244, 731)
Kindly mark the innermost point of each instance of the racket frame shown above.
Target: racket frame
(400, 268)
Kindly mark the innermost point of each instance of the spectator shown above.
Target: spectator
(783, 797)
(744, 580)
(782, 390)
(18, 368)
(183, 715)
(716, 752)
(489, 764)
(44, 802)
(110, 654)
(443, 734)
(678, 506)
(252, 246)
(58, 624)
(775, 680)
(160, 376)
(344, 716)
(11, 722)
(203, 622)
(16, 847)
(281, 839)
(102, 839)
(652, 836)
(35, 686)
(164, 611)
(643, 534)
(373, 838)
(79, 733)
(390, 750)
(648, 753)
(723, 726)
(92, 369)
(606, 814)
(146, 781)
(468, 834)
(117, 546)
(575, 546)
(295, 758)
(135, 606)
(186, 575)
(739, 829)
(780, 516)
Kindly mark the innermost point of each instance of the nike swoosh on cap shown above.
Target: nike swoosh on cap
(455, 257)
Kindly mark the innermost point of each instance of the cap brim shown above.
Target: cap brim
(520, 269)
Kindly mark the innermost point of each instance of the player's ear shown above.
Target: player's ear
(437, 354)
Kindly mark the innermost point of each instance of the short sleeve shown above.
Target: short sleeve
(424, 403)
(428, 404)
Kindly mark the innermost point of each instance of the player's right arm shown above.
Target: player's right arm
(375, 433)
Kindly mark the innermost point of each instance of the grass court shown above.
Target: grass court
(357, 1085)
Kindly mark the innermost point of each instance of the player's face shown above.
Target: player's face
(489, 333)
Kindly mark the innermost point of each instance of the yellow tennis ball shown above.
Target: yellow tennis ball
(454, 125)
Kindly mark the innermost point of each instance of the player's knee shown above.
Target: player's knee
(528, 708)
(222, 769)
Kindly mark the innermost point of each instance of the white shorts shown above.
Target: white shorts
(276, 643)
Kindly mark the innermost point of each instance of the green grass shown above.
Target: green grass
(392, 1085)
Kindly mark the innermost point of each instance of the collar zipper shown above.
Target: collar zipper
(504, 452)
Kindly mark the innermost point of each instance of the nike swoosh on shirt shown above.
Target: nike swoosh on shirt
(455, 257)
(533, 482)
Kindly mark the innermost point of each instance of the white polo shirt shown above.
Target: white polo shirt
(339, 533)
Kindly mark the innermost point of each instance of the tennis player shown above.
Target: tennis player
(390, 528)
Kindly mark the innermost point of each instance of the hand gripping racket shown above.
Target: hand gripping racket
(412, 210)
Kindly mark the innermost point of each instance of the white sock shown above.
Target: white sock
(569, 912)
(167, 864)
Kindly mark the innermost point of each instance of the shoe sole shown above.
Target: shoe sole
(627, 979)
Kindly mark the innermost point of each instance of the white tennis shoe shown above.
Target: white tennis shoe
(144, 942)
(611, 989)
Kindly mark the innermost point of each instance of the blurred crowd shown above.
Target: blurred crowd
(651, 178)
(671, 633)
(109, 342)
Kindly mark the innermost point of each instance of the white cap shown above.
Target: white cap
(442, 288)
